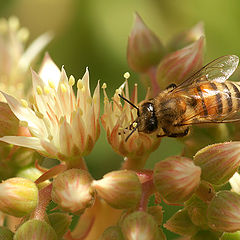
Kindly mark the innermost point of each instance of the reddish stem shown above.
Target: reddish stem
(44, 199)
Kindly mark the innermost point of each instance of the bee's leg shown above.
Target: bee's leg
(181, 134)
(171, 86)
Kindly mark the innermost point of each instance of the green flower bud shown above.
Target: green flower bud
(140, 225)
(35, 229)
(72, 191)
(181, 224)
(176, 178)
(157, 213)
(18, 196)
(120, 189)
(231, 236)
(60, 222)
(5, 234)
(144, 48)
(112, 233)
(218, 161)
(224, 212)
(179, 65)
(32, 174)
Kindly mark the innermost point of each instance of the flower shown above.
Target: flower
(61, 125)
(116, 120)
(15, 58)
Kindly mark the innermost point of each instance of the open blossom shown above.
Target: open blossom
(15, 58)
(62, 125)
(116, 120)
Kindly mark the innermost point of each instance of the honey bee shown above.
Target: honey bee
(205, 97)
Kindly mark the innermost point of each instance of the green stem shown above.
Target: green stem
(135, 163)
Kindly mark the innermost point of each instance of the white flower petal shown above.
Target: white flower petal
(26, 114)
(29, 142)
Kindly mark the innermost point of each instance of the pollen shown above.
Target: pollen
(80, 84)
(23, 123)
(134, 124)
(71, 81)
(13, 23)
(39, 90)
(63, 88)
(46, 89)
(104, 86)
(39, 115)
(24, 103)
(23, 34)
(126, 75)
(31, 99)
(51, 84)
(50, 137)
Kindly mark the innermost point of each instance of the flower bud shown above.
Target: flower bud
(72, 191)
(144, 48)
(120, 189)
(9, 123)
(140, 225)
(205, 191)
(197, 211)
(5, 234)
(181, 224)
(60, 222)
(176, 178)
(179, 65)
(224, 212)
(32, 174)
(206, 235)
(112, 233)
(231, 236)
(218, 161)
(18, 196)
(35, 229)
(187, 37)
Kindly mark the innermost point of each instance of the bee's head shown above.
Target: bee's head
(146, 120)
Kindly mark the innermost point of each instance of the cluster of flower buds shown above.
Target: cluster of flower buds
(58, 124)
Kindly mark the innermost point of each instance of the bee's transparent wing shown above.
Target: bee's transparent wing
(218, 70)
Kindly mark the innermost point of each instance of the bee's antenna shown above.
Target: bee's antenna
(126, 100)
(131, 133)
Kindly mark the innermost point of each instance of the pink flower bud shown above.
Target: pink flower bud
(144, 48)
(181, 224)
(120, 189)
(112, 233)
(177, 66)
(72, 191)
(224, 212)
(176, 178)
(218, 161)
(18, 196)
(35, 229)
(140, 225)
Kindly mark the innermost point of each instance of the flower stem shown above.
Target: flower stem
(77, 162)
(134, 163)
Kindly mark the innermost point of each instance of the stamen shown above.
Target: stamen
(51, 84)
(23, 123)
(134, 124)
(46, 89)
(80, 84)
(104, 86)
(13, 23)
(71, 81)
(31, 99)
(23, 34)
(50, 137)
(24, 103)
(39, 90)
(63, 88)
(126, 75)
(89, 100)
(3, 25)
(39, 115)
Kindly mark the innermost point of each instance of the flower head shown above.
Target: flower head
(15, 58)
(62, 125)
(116, 120)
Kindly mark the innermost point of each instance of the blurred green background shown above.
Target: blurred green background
(94, 33)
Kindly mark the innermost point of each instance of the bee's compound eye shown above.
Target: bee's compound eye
(151, 124)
